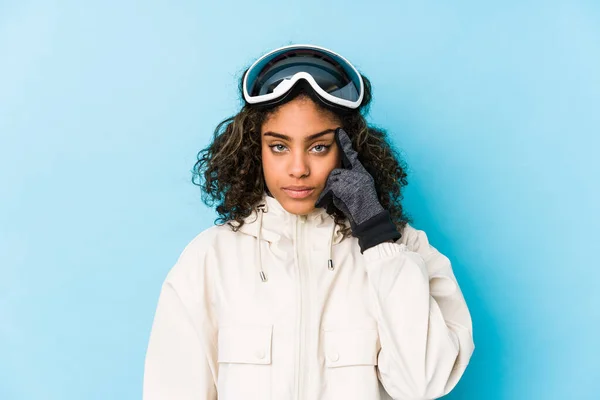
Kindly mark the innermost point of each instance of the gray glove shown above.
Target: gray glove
(352, 190)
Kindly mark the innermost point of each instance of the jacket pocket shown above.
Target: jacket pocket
(350, 361)
(244, 357)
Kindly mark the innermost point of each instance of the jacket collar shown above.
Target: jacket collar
(277, 222)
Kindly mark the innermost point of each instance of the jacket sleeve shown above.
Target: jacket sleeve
(181, 356)
(424, 324)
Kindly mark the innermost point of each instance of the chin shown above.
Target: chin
(300, 210)
(298, 207)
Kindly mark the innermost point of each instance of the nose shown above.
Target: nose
(298, 166)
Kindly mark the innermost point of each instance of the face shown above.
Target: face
(298, 153)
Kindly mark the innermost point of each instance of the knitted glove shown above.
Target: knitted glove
(352, 190)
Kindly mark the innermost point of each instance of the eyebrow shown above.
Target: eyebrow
(306, 139)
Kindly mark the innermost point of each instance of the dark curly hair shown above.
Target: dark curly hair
(229, 170)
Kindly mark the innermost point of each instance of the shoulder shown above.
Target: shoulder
(198, 252)
(415, 240)
(203, 241)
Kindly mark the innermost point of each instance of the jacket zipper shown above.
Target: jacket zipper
(303, 320)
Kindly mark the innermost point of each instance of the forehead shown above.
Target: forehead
(299, 118)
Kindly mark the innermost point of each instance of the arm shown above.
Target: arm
(181, 357)
(423, 321)
(424, 324)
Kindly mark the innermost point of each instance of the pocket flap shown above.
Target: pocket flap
(351, 347)
(245, 344)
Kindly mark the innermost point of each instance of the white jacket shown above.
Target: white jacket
(390, 320)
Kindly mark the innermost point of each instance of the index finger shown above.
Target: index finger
(349, 155)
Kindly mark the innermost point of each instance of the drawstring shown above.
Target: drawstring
(330, 261)
(263, 276)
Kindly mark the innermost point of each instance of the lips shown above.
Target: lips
(298, 192)
(298, 187)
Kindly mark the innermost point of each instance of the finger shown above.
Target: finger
(349, 155)
(340, 205)
(326, 195)
(336, 172)
(332, 177)
(347, 176)
(350, 176)
(345, 145)
(324, 199)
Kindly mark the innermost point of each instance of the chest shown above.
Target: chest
(301, 283)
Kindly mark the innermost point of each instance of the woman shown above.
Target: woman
(313, 284)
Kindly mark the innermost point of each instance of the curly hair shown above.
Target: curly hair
(229, 170)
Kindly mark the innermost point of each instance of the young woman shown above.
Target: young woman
(313, 284)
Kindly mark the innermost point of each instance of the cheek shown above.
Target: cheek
(327, 165)
(268, 164)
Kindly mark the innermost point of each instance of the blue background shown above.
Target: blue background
(104, 104)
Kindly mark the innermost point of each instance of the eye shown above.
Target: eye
(321, 148)
(277, 148)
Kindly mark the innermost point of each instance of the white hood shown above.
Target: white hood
(269, 221)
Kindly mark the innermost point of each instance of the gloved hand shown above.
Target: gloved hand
(352, 190)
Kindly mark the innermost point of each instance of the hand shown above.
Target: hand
(352, 190)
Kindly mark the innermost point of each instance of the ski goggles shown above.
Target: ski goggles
(272, 78)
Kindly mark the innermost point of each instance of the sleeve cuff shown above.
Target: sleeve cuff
(384, 250)
(376, 230)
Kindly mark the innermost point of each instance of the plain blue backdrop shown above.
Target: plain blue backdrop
(104, 105)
